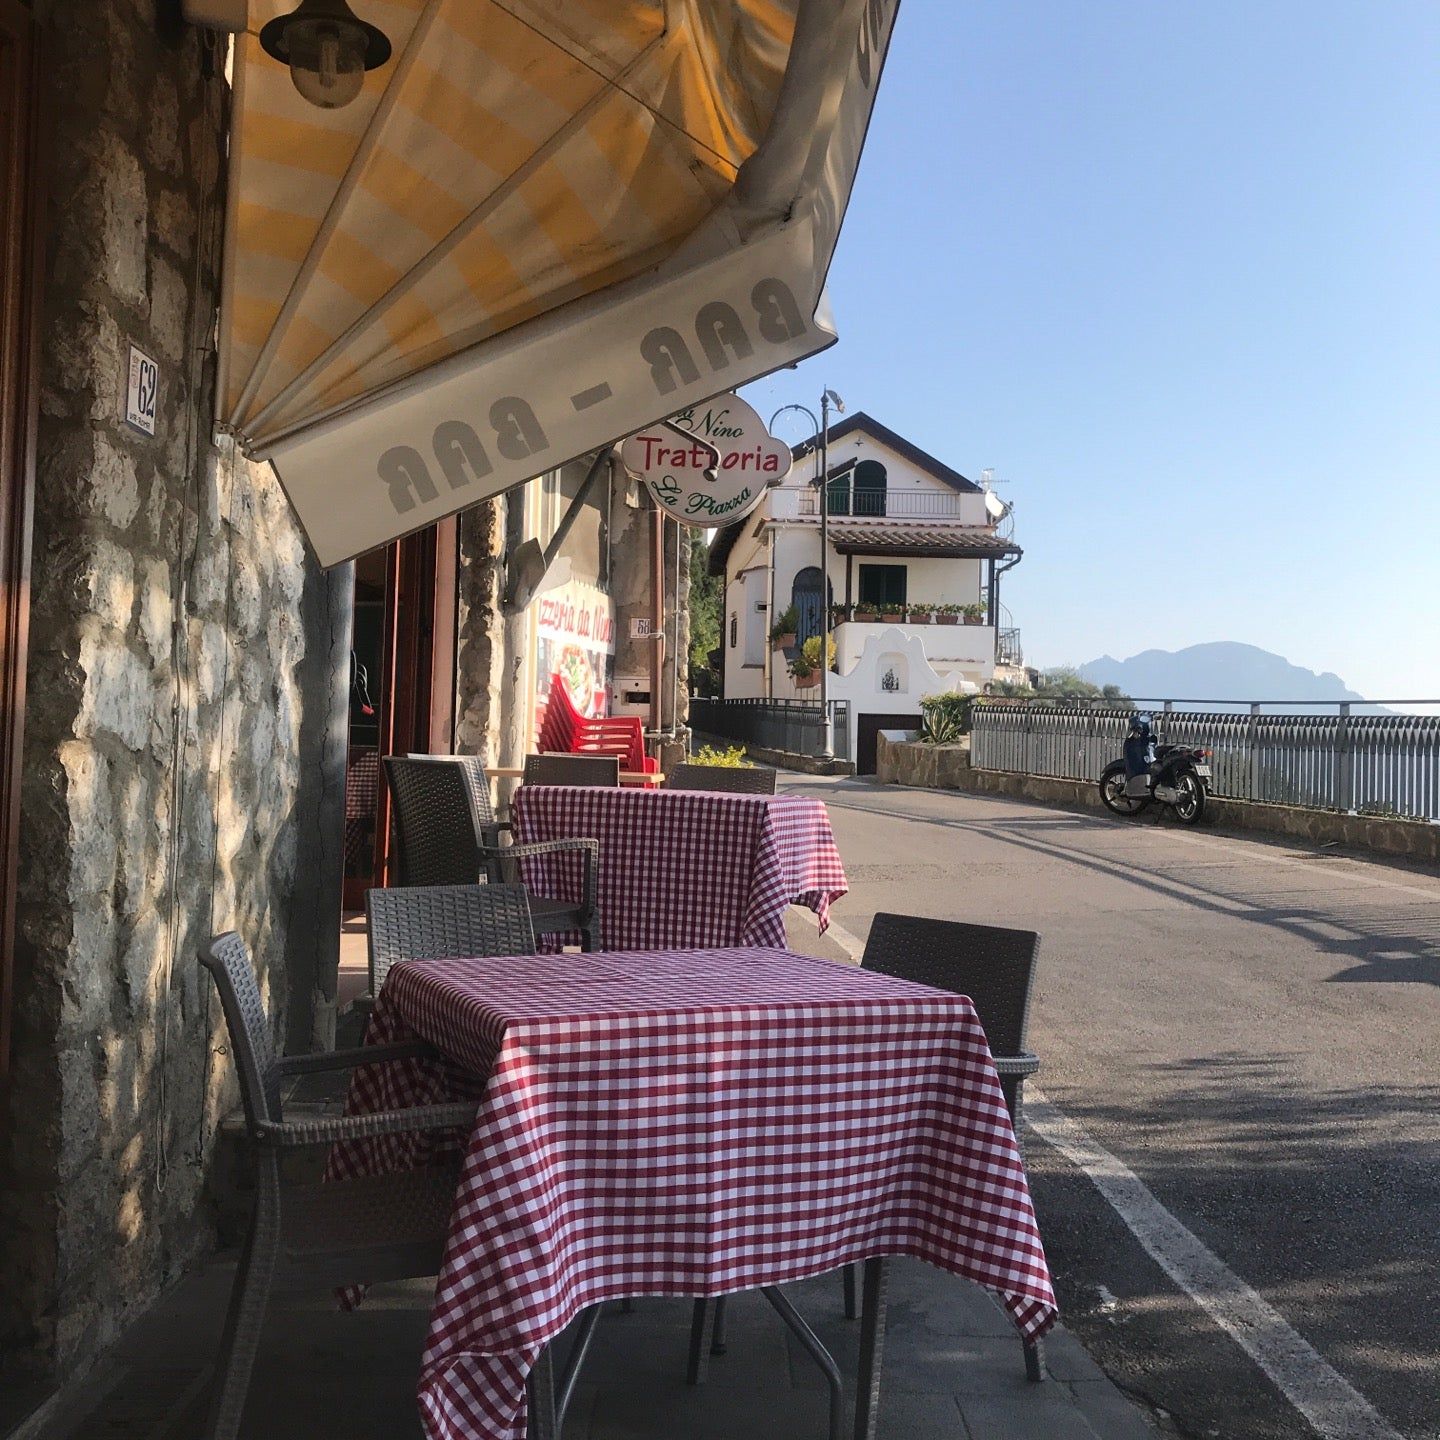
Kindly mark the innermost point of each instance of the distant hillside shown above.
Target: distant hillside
(1223, 671)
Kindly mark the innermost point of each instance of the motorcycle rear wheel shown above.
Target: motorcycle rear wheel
(1112, 792)
(1189, 798)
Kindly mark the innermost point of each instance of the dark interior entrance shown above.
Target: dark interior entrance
(392, 666)
(870, 727)
(20, 249)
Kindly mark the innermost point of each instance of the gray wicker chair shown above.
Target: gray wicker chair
(995, 967)
(739, 779)
(447, 834)
(440, 922)
(558, 769)
(384, 1227)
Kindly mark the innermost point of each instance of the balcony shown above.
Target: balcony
(802, 502)
(969, 647)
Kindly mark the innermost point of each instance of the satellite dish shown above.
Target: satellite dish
(995, 507)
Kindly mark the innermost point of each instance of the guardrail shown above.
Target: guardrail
(793, 726)
(1365, 764)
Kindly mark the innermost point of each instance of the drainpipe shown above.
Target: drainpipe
(995, 575)
(657, 616)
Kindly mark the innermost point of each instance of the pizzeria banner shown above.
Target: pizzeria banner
(575, 640)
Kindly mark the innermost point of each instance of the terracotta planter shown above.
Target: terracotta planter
(895, 618)
(974, 619)
(947, 619)
(782, 642)
(866, 617)
(806, 682)
(920, 617)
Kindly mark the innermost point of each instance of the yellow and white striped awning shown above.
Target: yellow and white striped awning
(543, 225)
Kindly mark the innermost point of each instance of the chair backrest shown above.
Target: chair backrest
(440, 922)
(994, 966)
(434, 822)
(739, 779)
(572, 770)
(251, 1042)
(477, 787)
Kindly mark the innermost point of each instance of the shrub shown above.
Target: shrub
(785, 623)
(945, 718)
(733, 756)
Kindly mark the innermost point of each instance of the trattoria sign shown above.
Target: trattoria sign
(719, 476)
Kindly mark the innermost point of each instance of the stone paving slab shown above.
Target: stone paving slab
(951, 1372)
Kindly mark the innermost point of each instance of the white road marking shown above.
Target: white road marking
(1334, 1408)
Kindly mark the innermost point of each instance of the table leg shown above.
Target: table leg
(872, 1346)
(540, 1397)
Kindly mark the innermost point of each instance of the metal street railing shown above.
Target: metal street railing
(1367, 764)
(793, 726)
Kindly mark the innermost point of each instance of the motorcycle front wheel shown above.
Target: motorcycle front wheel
(1189, 798)
(1112, 792)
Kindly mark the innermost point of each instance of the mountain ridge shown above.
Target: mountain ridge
(1228, 671)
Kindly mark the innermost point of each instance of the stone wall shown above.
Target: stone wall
(947, 767)
(185, 731)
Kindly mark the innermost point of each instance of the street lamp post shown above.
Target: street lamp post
(828, 400)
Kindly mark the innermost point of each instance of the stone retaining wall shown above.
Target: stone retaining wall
(947, 767)
(185, 734)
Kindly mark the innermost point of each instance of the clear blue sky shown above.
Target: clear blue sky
(1174, 271)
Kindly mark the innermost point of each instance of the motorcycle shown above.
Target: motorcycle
(1175, 775)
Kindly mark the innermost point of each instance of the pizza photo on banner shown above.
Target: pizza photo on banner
(574, 640)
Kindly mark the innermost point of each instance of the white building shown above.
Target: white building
(911, 543)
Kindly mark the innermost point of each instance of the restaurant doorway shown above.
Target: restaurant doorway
(402, 684)
(20, 210)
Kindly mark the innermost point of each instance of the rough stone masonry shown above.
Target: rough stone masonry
(184, 742)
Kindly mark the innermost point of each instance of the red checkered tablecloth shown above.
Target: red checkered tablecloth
(688, 1123)
(684, 868)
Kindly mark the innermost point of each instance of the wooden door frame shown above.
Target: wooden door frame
(21, 234)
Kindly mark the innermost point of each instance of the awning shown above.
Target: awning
(543, 225)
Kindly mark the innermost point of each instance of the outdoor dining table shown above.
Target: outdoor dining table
(688, 1123)
(683, 868)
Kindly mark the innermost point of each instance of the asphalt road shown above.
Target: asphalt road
(1254, 1030)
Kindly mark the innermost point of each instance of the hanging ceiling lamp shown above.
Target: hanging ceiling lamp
(328, 49)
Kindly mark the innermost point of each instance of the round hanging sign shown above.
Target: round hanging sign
(717, 476)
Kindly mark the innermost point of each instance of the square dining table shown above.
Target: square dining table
(683, 868)
(687, 1123)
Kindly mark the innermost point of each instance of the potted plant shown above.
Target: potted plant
(805, 667)
(866, 614)
(892, 614)
(947, 614)
(919, 613)
(974, 614)
(782, 632)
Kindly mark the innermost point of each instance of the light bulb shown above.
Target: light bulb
(327, 61)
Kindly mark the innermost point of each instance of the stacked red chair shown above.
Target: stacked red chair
(566, 731)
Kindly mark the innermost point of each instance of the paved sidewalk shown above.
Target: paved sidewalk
(954, 1370)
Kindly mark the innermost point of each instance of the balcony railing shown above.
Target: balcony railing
(803, 502)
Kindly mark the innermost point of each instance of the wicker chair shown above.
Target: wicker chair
(995, 967)
(385, 1227)
(440, 922)
(599, 770)
(447, 834)
(739, 779)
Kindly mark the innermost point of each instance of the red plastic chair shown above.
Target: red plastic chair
(569, 732)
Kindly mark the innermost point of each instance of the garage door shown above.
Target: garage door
(870, 727)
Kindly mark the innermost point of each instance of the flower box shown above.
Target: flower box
(892, 617)
(783, 642)
(807, 682)
(947, 618)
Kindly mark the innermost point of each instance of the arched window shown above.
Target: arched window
(869, 489)
(805, 597)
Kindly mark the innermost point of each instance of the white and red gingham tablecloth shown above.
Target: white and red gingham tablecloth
(687, 1123)
(683, 868)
